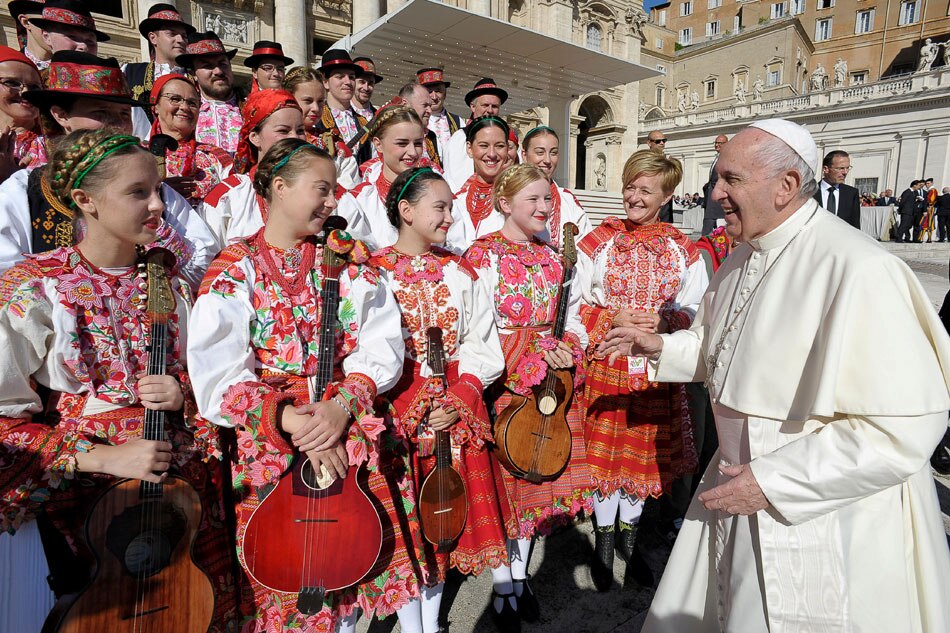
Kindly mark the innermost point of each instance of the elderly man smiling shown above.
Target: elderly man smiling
(828, 371)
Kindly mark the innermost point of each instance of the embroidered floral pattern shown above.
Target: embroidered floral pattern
(219, 124)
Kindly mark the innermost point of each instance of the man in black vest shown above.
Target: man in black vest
(833, 194)
(943, 215)
(712, 210)
(441, 121)
(167, 35)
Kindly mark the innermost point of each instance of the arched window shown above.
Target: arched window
(594, 36)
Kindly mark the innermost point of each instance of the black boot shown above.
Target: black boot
(506, 620)
(528, 607)
(602, 566)
(627, 540)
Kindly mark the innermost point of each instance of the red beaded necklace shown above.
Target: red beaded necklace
(478, 200)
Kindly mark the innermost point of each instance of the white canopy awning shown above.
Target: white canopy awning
(535, 69)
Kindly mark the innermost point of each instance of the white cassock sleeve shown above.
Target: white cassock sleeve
(480, 351)
(376, 319)
(219, 343)
(16, 235)
(180, 215)
(844, 461)
(683, 356)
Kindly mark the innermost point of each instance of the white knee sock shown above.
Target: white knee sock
(348, 624)
(410, 617)
(501, 583)
(631, 508)
(431, 600)
(519, 555)
(605, 509)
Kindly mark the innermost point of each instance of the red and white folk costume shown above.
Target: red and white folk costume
(255, 343)
(639, 435)
(522, 281)
(78, 335)
(439, 289)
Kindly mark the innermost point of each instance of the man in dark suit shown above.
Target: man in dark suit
(887, 198)
(943, 215)
(712, 210)
(656, 141)
(907, 208)
(833, 194)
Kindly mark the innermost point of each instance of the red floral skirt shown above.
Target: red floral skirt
(483, 542)
(638, 441)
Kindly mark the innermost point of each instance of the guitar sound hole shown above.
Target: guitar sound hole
(144, 536)
(313, 480)
(148, 553)
(547, 404)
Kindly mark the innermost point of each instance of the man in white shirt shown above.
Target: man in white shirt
(219, 117)
(485, 99)
(366, 81)
(441, 121)
(30, 37)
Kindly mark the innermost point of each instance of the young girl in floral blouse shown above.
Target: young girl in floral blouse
(73, 390)
(435, 288)
(256, 329)
(522, 276)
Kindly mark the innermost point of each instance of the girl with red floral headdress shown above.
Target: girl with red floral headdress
(232, 209)
(193, 169)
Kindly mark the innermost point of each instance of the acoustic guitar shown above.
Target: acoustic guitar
(313, 533)
(532, 437)
(143, 533)
(443, 503)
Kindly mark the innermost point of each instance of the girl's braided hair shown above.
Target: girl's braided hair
(300, 75)
(285, 158)
(390, 116)
(513, 180)
(88, 158)
(410, 185)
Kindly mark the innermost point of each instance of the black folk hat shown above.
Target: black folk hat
(78, 74)
(485, 86)
(338, 59)
(368, 67)
(68, 13)
(199, 44)
(161, 16)
(263, 50)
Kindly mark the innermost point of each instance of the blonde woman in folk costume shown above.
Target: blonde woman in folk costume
(436, 288)
(523, 277)
(641, 272)
(257, 332)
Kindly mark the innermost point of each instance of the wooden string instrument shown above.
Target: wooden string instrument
(443, 503)
(143, 533)
(313, 533)
(532, 437)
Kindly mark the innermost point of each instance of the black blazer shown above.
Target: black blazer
(848, 203)
(943, 205)
(908, 202)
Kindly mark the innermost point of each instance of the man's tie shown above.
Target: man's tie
(832, 203)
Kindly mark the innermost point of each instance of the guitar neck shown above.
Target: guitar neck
(154, 427)
(563, 299)
(330, 301)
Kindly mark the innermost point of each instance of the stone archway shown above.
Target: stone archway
(597, 135)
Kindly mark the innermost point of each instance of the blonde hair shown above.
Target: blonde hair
(393, 115)
(513, 180)
(651, 163)
(301, 75)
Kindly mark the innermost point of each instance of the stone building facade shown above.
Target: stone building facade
(603, 124)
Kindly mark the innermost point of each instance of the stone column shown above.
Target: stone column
(480, 6)
(365, 12)
(291, 29)
(559, 118)
(392, 5)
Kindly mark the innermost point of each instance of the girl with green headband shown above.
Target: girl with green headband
(255, 345)
(541, 148)
(487, 146)
(398, 137)
(435, 288)
(75, 332)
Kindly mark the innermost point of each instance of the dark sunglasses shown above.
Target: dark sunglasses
(658, 140)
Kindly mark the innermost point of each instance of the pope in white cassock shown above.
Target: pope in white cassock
(828, 371)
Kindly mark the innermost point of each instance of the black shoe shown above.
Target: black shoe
(627, 541)
(940, 461)
(528, 607)
(507, 619)
(602, 566)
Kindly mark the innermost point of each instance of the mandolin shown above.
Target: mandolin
(443, 504)
(143, 533)
(533, 439)
(313, 533)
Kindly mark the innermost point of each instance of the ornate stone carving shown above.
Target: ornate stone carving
(230, 28)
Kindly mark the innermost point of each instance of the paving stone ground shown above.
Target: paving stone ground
(562, 583)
